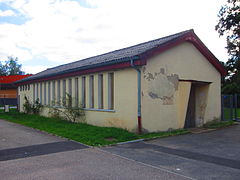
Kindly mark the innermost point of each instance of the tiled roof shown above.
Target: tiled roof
(116, 56)
(12, 78)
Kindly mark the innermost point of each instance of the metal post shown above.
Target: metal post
(235, 106)
(222, 107)
(231, 107)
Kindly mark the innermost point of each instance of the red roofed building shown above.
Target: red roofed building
(8, 90)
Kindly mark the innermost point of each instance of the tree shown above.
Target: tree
(229, 25)
(11, 67)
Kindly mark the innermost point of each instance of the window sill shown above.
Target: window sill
(101, 110)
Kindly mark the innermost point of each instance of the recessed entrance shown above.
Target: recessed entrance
(191, 109)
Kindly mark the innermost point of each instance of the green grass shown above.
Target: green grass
(164, 134)
(227, 113)
(218, 124)
(81, 132)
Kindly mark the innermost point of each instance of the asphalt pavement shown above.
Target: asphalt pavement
(26, 153)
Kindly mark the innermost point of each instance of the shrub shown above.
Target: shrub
(34, 108)
(67, 111)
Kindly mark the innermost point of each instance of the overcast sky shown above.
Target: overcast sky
(47, 33)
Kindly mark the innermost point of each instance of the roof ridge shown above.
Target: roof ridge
(85, 59)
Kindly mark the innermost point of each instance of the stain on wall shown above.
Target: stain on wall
(161, 86)
(201, 103)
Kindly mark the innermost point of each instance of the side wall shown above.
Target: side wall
(124, 114)
(166, 83)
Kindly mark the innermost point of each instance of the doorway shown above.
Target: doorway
(191, 109)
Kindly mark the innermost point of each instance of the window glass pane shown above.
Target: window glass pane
(70, 87)
(111, 91)
(64, 92)
(37, 90)
(100, 91)
(53, 93)
(34, 95)
(45, 93)
(84, 92)
(76, 92)
(91, 91)
(49, 93)
(58, 92)
(41, 93)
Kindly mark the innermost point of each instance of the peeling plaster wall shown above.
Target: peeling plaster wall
(164, 97)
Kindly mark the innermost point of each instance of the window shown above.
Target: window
(100, 91)
(49, 93)
(91, 91)
(76, 92)
(28, 86)
(58, 92)
(83, 92)
(45, 93)
(20, 88)
(53, 93)
(110, 91)
(25, 87)
(70, 87)
(64, 92)
(41, 93)
(34, 93)
(37, 90)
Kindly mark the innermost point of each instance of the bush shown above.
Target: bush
(34, 108)
(67, 111)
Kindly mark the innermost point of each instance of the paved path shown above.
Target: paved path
(29, 154)
(26, 153)
(211, 155)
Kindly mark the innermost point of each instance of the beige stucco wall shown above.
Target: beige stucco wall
(164, 97)
(124, 114)
(166, 82)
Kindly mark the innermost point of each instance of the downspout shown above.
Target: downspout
(139, 97)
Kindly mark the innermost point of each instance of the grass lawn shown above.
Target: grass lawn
(84, 133)
(227, 113)
(218, 124)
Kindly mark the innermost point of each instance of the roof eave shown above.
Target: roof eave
(188, 37)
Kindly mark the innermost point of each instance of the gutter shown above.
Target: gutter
(139, 96)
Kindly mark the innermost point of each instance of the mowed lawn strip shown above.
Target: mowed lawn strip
(81, 132)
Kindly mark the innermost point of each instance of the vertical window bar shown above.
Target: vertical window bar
(100, 91)
(111, 91)
(84, 92)
(76, 92)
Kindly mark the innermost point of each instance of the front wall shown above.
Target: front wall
(124, 114)
(164, 97)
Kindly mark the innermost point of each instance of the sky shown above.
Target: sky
(47, 33)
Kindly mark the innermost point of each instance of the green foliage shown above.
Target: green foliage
(215, 124)
(68, 111)
(34, 108)
(164, 134)
(229, 25)
(11, 67)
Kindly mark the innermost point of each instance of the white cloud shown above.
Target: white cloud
(34, 69)
(64, 31)
(7, 13)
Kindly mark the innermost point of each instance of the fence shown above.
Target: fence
(231, 107)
